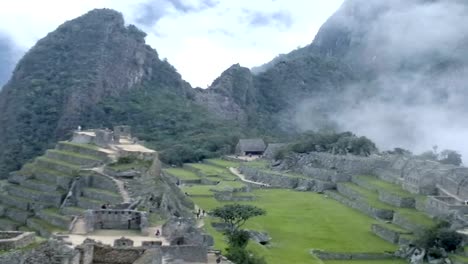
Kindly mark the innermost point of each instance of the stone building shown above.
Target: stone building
(247, 147)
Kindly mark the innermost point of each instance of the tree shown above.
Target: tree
(450, 157)
(235, 215)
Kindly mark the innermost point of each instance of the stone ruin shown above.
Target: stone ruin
(10, 240)
(123, 242)
(115, 219)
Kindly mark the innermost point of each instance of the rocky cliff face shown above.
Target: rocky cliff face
(57, 85)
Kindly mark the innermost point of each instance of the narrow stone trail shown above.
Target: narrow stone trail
(79, 227)
(120, 184)
(236, 172)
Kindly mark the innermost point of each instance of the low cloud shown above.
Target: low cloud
(149, 13)
(261, 19)
(418, 54)
(9, 55)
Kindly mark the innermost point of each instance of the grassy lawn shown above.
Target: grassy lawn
(207, 189)
(207, 169)
(183, 174)
(391, 261)
(223, 163)
(299, 221)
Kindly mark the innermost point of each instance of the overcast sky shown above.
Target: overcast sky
(201, 38)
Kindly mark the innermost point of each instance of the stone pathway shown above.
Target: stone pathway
(236, 172)
(79, 227)
(120, 184)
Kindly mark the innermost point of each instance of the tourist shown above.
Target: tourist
(79, 128)
(158, 233)
(203, 212)
(218, 259)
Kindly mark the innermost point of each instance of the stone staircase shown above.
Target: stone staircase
(33, 197)
(393, 207)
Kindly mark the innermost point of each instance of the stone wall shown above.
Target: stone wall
(110, 255)
(396, 200)
(362, 206)
(13, 240)
(400, 220)
(325, 255)
(388, 234)
(443, 205)
(52, 251)
(116, 219)
(278, 180)
(188, 253)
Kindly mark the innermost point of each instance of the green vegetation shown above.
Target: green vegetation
(127, 163)
(371, 197)
(335, 143)
(386, 186)
(183, 174)
(386, 261)
(222, 163)
(300, 221)
(85, 146)
(235, 216)
(173, 124)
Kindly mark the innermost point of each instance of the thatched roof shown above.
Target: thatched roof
(251, 145)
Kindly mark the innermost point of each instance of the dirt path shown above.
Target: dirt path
(236, 172)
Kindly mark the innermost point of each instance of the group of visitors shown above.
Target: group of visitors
(200, 213)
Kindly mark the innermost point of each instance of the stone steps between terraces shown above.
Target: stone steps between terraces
(42, 227)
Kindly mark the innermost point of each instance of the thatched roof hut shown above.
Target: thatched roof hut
(250, 147)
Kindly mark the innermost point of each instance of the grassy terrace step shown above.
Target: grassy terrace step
(71, 210)
(73, 157)
(102, 195)
(7, 224)
(88, 203)
(84, 149)
(211, 170)
(418, 218)
(17, 214)
(182, 174)
(40, 185)
(22, 203)
(368, 196)
(374, 183)
(51, 198)
(58, 165)
(42, 227)
(221, 163)
(53, 216)
(56, 177)
(408, 218)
